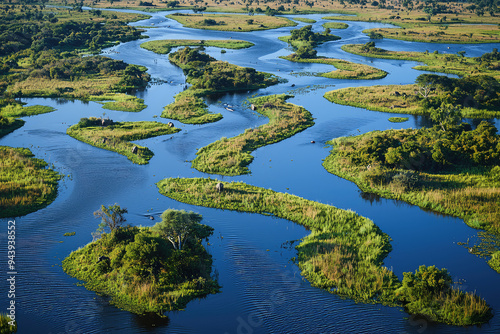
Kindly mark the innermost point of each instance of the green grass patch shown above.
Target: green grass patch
(345, 69)
(398, 119)
(400, 99)
(8, 125)
(434, 62)
(26, 184)
(164, 46)
(335, 25)
(231, 22)
(304, 19)
(69, 234)
(141, 272)
(120, 102)
(231, 156)
(343, 254)
(117, 137)
(17, 110)
(190, 108)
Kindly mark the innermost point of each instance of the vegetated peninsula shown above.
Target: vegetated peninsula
(344, 253)
(26, 184)
(231, 156)
(146, 269)
(477, 94)
(231, 22)
(449, 168)
(165, 46)
(117, 136)
(208, 76)
(46, 59)
(304, 40)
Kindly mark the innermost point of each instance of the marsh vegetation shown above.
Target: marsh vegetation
(166, 45)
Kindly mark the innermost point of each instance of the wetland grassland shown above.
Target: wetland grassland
(231, 156)
(26, 184)
(344, 252)
(117, 136)
(166, 45)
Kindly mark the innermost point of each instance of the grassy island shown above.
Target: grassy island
(335, 25)
(231, 22)
(209, 76)
(165, 46)
(344, 252)
(117, 136)
(231, 156)
(398, 119)
(7, 325)
(345, 69)
(142, 270)
(17, 110)
(432, 33)
(8, 125)
(304, 19)
(26, 184)
(306, 38)
(455, 171)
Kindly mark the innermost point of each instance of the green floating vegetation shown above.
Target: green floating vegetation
(120, 102)
(398, 119)
(454, 172)
(7, 325)
(69, 234)
(26, 184)
(304, 19)
(209, 76)
(345, 69)
(335, 25)
(434, 62)
(117, 136)
(494, 262)
(231, 156)
(17, 110)
(231, 22)
(344, 252)
(165, 46)
(142, 272)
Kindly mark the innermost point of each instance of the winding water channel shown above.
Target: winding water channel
(262, 290)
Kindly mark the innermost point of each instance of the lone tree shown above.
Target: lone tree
(111, 217)
(179, 225)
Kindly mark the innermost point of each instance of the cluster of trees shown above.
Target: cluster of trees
(204, 72)
(306, 40)
(21, 31)
(170, 251)
(478, 91)
(430, 150)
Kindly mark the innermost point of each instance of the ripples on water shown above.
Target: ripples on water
(263, 291)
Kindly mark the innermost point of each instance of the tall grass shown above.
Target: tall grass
(231, 156)
(343, 254)
(164, 46)
(345, 69)
(118, 137)
(26, 184)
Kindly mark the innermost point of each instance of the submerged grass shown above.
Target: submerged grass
(118, 137)
(345, 69)
(26, 184)
(343, 254)
(231, 156)
(164, 46)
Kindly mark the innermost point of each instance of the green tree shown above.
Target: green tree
(446, 116)
(179, 225)
(426, 283)
(111, 217)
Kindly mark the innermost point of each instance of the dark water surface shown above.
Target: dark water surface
(263, 291)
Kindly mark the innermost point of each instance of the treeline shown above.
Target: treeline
(429, 150)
